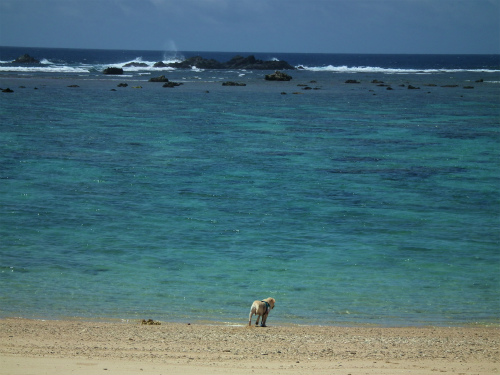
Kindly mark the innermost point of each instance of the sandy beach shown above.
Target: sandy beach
(83, 347)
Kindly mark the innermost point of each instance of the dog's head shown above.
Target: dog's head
(270, 301)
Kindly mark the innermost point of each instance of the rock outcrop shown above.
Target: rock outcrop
(231, 83)
(26, 59)
(237, 62)
(111, 70)
(158, 79)
(278, 76)
(198, 62)
(171, 84)
(251, 63)
(135, 64)
(160, 64)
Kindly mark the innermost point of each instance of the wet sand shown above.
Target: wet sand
(83, 347)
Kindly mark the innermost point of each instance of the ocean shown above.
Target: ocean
(350, 203)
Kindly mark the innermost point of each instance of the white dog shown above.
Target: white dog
(261, 309)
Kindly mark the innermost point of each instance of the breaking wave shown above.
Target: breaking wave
(48, 66)
(44, 69)
(376, 69)
(142, 62)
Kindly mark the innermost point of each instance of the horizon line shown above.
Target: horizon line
(253, 52)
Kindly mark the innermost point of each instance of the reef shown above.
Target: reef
(158, 79)
(135, 64)
(111, 70)
(237, 62)
(231, 83)
(26, 59)
(278, 76)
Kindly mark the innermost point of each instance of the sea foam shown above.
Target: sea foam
(44, 69)
(376, 69)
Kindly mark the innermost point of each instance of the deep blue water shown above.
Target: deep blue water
(356, 203)
(77, 60)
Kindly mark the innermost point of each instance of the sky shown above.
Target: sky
(306, 26)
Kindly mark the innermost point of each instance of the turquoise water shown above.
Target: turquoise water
(350, 204)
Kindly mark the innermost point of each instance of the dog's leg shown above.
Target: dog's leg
(264, 318)
(257, 321)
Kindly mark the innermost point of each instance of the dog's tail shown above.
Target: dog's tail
(253, 310)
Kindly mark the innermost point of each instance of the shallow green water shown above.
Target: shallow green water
(359, 206)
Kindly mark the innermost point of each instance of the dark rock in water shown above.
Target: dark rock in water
(198, 62)
(240, 62)
(450, 86)
(468, 87)
(352, 81)
(480, 80)
(389, 88)
(278, 76)
(231, 83)
(114, 71)
(377, 81)
(237, 62)
(158, 79)
(283, 93)
(26, 59)
(7, 90)
(171, 84)
(122, 85)
(160, 64)
(73, 86)
(250, 62)
(135, 64)
(410, 87)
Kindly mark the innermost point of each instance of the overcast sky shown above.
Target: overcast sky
(329, 26)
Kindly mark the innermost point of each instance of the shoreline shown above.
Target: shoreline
(90, 347)
(276, 322)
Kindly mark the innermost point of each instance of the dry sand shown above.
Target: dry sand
(82, 347)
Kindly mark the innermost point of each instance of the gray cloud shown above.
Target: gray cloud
(371, 26)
